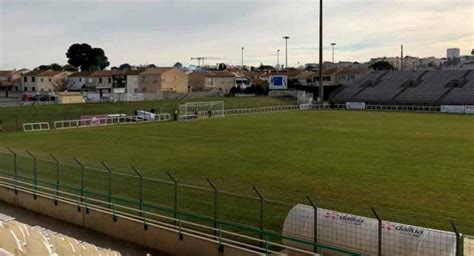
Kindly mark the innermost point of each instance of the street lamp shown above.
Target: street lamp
(286, 50)
(278, 59)
(333, 44)
(242, 59)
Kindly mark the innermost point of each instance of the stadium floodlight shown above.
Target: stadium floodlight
(202, 109)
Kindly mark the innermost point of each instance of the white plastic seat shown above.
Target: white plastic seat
(9, 242)
(37, 244)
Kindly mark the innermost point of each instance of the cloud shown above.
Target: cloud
(163, 32)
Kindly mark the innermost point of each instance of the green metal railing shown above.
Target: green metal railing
(84, 198)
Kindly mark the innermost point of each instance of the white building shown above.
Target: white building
(453, 53)
(77, 81)
(132, 80)
(42, 80)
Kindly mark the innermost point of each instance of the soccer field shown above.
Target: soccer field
(414, 168)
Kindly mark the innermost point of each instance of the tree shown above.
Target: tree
(382, 65)
(54, 66)
(125, 67)
(83, 56)
(60, 85)
(178, 65)
(69, 67)
(151, 66)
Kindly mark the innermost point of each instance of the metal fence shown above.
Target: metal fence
(13, 122)
(228, 209)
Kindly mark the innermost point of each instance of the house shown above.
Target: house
(100, 81)
(43, 81)
(132, 80)
(306, 78)
(209, 80)
(77, 81)
(50, 81)
(11, 80)
(329, 77)
(157, 80)
(29, 81)
(348, 75)
(119, 81)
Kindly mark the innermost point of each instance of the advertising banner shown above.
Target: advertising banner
(355, 105)
(359, 234)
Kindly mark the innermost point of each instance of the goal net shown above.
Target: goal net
(202, 109)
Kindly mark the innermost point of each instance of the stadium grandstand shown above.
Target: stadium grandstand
(410, 88)
(17, 238)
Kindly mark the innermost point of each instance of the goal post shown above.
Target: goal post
(202, 109)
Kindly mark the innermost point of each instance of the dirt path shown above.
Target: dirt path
(34, 219)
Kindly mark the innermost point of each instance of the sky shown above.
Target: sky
(162, 32)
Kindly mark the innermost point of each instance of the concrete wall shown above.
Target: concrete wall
(162, 239)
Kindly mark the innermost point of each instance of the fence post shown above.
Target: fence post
(56, 192)
(379, 241)
(140, 196)
(110, 182)
(315, 224)
(175, 181)
(214, 187)
(459, 240)
(35, 174)
(260, 195)
(82, 177)
(15, 169)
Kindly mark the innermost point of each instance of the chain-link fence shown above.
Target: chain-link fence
(268, 214)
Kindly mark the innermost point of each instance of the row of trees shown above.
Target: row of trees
(87, 58)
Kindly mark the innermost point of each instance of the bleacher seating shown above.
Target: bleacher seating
(389, 86)
(432, 89)
(19, 239)
(347, 92)
(410, 88)
(462, 95)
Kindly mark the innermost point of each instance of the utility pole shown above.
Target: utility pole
(321, 89)
(333, 44)
(286, 51)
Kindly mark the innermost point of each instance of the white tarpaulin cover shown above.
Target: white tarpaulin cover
(452, 109)
(360, 234)
(469, 109)
(355, 105)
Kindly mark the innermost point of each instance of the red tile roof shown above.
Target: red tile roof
(101, 73)
(134, 72)
(81, 74)
(35, 72)
(50, 73)
(6, 72)
(215, 73)
(156, 71)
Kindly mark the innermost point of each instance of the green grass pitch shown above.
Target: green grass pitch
(414, 168)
